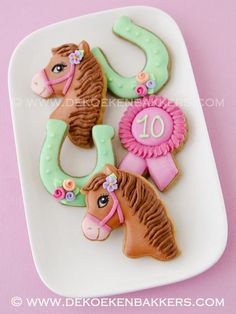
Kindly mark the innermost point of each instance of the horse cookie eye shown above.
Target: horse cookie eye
(102, 201)
(58, 68)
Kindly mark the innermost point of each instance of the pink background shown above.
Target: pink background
(209, 31)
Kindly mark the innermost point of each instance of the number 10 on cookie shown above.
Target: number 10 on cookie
(144, 120)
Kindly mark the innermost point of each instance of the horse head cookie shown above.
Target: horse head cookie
(152, 129)
(74, 73)
(116, 197)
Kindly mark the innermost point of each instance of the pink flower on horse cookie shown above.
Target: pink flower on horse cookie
(76, 56)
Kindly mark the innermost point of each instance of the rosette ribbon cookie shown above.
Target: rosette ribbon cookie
(152, 129)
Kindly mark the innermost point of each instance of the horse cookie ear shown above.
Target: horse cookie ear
(109, 169)
(84, 46)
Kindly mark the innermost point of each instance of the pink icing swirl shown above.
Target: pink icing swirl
(59, 193)
(141, 90)
(176, 137)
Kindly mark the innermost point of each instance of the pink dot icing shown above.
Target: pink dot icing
(168, 128)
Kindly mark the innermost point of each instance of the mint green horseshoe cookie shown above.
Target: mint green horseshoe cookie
(62, 186)
(156, 71)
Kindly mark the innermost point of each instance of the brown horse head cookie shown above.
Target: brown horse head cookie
(115, 197)
(74, 73)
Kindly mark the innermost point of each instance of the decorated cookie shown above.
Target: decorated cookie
(62, 186)
(74, 73)
(115, 197)
(152, 129)
(154, 75)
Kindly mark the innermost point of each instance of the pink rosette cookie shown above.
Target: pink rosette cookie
(151, 129)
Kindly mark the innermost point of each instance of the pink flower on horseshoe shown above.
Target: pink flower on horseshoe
(59, 193)
(141, 90)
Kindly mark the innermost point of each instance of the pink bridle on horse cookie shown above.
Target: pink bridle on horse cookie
(104, 229)
(41, 79)
(151, 129)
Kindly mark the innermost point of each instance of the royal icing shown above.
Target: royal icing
(151, 129)
(76, 57)
(110, 185)
(155, 73)
(63, 187)
(115, 197)
(74, 72)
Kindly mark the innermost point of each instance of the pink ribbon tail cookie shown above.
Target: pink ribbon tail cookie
(151, 129)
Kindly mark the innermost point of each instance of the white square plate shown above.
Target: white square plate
(66, 261)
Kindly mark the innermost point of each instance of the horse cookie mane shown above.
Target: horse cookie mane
(143, 200)
(88, 88)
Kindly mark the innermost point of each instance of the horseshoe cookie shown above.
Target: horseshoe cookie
(156, 71)
(66, 188)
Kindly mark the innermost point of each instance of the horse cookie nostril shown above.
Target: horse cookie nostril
(35, 83)
(89, 228)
